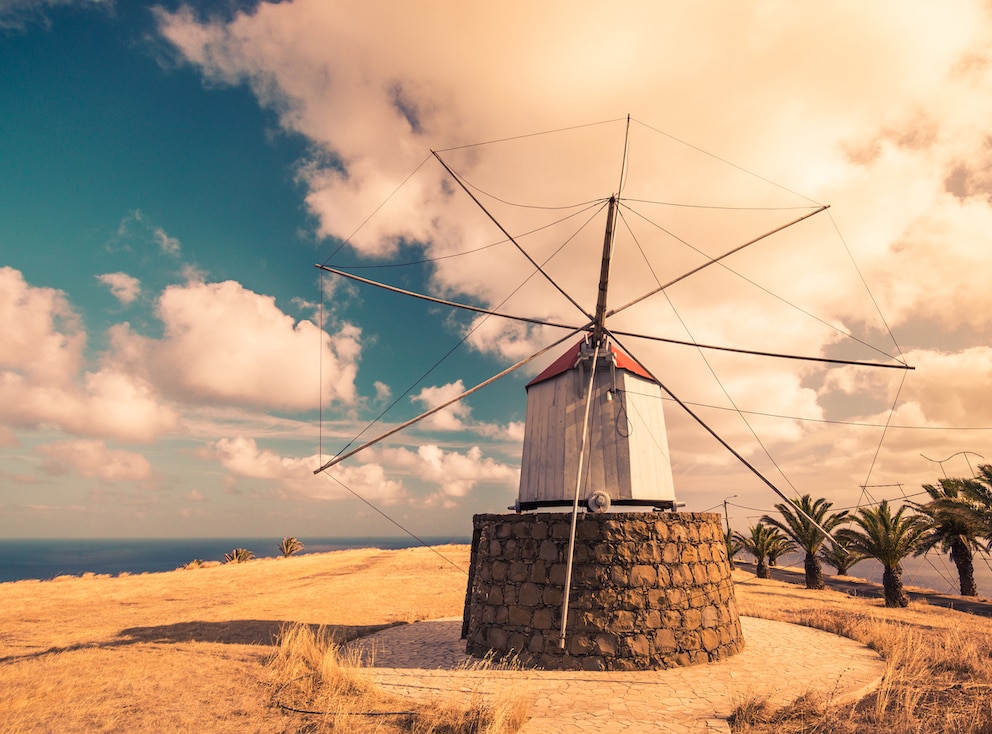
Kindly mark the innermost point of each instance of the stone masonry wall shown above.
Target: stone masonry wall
(649, 590)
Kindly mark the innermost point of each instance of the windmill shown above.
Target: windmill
(629, 588)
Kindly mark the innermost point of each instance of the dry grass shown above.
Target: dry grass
(199, 650)
(187, 650)
(938, 665)
(332, 692)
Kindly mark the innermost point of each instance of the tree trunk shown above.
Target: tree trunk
(895, 595)
(814, 572)
(843, 570)
(963, 559)
(761, 570)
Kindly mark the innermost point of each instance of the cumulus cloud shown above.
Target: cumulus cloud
(429, 474)
(243, 458)
(43, 335)
(382, 391)
(871, 109)
(225, 343)
(458, 416)
(453, 417)
(125, 288)
(845, 122)
(43, 380)
(947, 389)
(452, 473)
(222, 344)
(107, 403)
(92, 459)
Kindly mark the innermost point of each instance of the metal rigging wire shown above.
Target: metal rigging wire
(538, 269)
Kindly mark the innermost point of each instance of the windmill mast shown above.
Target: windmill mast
(604, 274)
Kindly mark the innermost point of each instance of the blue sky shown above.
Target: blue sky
(170, 175)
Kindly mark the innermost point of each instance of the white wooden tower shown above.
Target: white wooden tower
(626, 460)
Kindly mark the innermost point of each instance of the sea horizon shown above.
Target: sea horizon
(47, 558)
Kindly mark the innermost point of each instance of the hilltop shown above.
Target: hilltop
(189, 650)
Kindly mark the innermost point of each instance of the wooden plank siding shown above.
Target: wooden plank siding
(627, 453)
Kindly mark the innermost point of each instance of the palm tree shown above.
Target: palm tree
(954, 530)
(780, 546)
(974, 503)
(838, 557)
(795, 523)
(887, 538)
(763, 540)
(239, 555)
(733, 546)
(289, 546)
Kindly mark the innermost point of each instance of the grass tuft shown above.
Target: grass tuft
(328, 690)
(239, 555)
(938, 675)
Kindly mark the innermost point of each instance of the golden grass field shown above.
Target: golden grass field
(196, 650)
(187, 650)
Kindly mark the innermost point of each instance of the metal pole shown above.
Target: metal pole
(725, 518)
(604, 273)
(575, 501)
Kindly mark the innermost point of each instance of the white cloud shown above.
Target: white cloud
(224, 343)
(947, 389)
(452, 418)
(515, 431)
(458, 416)
(42, 335)
(433, 474)
(168, 245)
(875, 109)
(125, 288)
(42, 378)
(136, 231)
(92, 459)
(454, 474)
(850, 112)
(243, 458)
(108, 403)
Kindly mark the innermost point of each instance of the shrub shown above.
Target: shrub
(239, 555)
(289, 546)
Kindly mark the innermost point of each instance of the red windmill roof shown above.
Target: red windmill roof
(568, 360)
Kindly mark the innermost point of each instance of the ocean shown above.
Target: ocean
(48, 558)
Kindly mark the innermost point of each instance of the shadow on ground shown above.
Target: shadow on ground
(233, 632)
(240, 632)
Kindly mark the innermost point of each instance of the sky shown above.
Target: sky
(173, 364)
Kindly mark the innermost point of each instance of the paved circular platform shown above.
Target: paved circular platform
(427, 659)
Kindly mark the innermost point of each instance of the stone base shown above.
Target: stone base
(649, 590)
